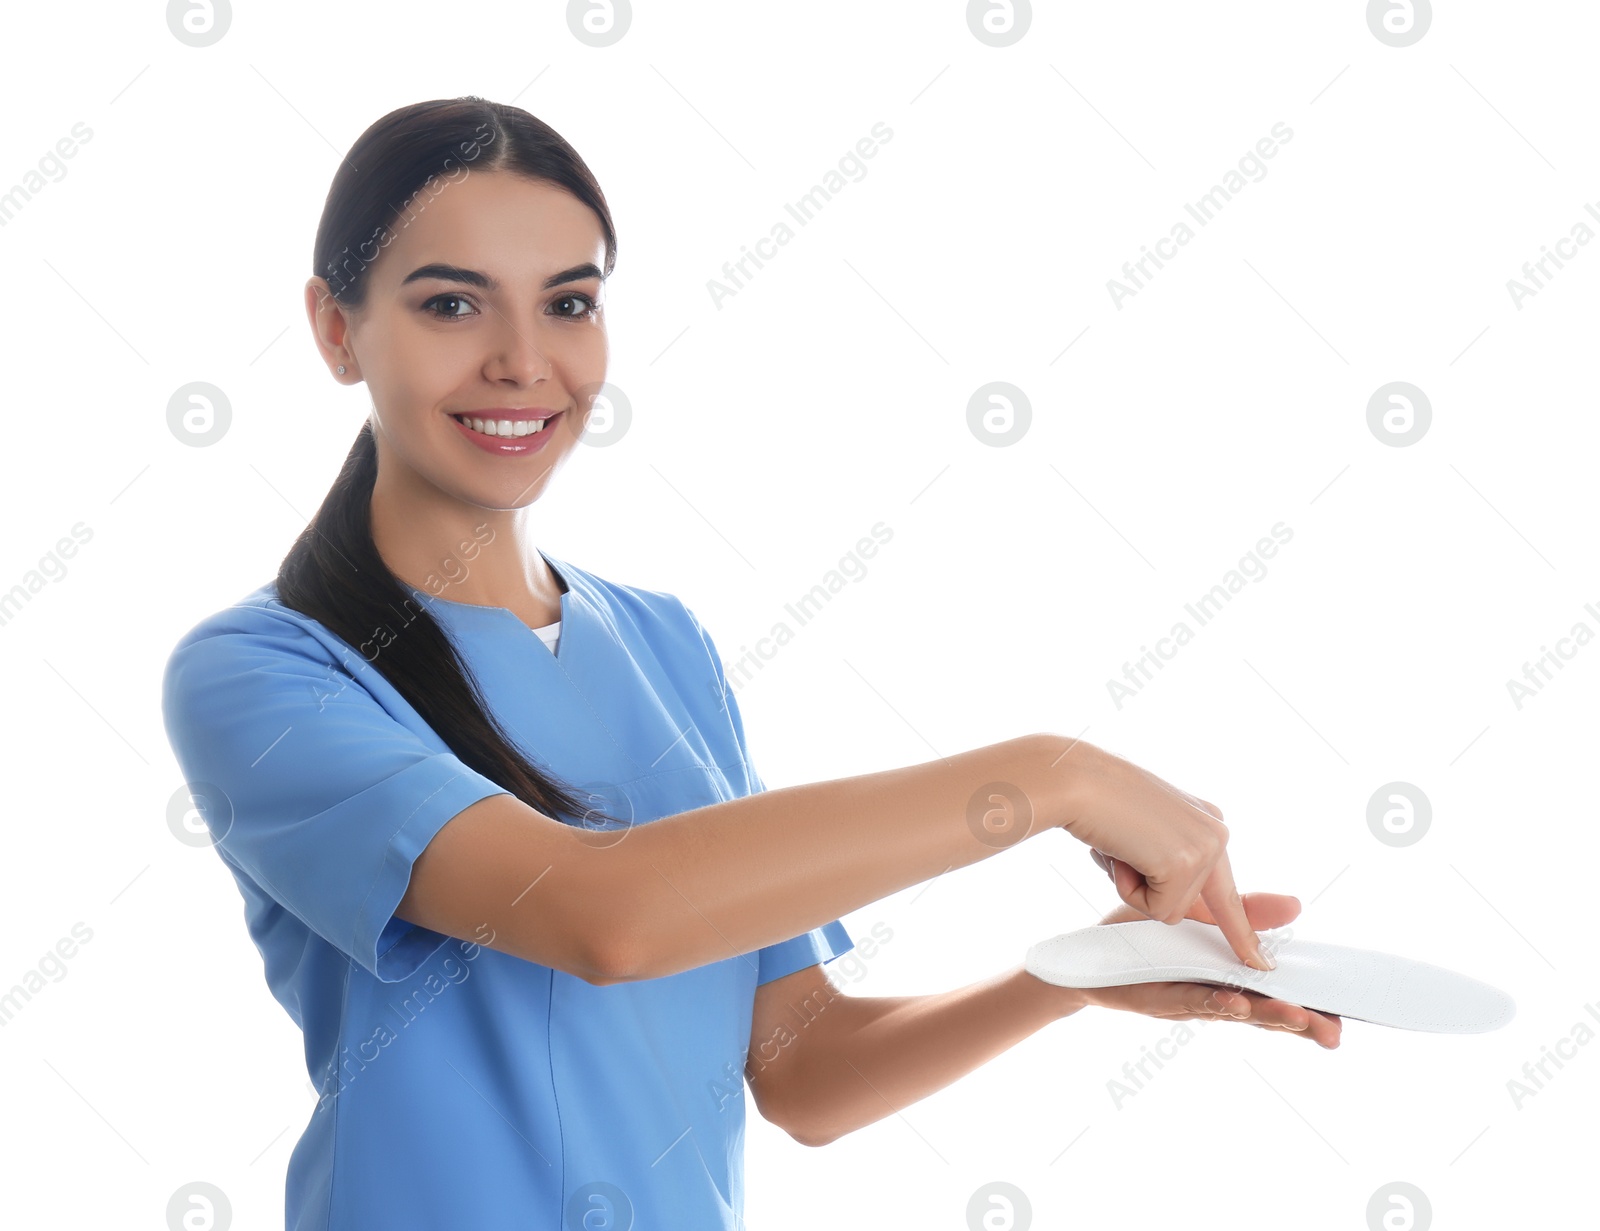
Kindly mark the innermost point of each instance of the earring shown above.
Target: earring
(341, 369)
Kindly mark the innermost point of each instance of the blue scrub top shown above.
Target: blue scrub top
(461, 1086)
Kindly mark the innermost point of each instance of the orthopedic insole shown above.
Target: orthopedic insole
(1360, 983)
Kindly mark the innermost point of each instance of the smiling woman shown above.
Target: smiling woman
(550, 767)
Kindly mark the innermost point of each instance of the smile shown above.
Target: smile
(507, 437)
(502, 427)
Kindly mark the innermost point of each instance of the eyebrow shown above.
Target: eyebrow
(472, 277)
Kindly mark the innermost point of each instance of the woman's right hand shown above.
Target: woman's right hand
(1164, 847)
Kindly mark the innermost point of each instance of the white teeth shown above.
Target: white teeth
(502, 427)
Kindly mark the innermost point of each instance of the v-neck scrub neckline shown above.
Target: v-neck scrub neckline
(562, 620)
(550, 634)
(458, 1085)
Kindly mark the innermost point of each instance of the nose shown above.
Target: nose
(515, 354)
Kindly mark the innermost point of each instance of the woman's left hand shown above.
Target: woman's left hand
(1187, 1001)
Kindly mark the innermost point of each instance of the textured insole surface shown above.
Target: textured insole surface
(1369, 986)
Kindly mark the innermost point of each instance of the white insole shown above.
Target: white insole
(1381, 988)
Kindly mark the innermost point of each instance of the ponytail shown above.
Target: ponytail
(334, 574)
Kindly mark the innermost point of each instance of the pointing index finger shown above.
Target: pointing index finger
(1222, 899)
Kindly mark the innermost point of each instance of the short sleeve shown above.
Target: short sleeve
(821, 944)
(310, 787)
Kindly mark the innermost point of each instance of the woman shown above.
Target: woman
(501, 845)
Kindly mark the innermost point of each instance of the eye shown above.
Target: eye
(446, 298)
(590, 307)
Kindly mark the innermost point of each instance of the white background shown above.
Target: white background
(1167, 435)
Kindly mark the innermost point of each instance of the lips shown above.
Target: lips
(506, 425)
(508, 433)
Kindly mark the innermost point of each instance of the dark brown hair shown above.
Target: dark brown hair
(333, 572)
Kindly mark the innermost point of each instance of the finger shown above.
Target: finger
(1273, 1014)
(1173, 1001)
(1131, 885)
(1267, 1011)
(1264, 910)
(1229, 1003)
(1189, 1000)
(1323, 1029)
(1327, 1043)
(1227, 910)
(1152, 898)
(1139, 891)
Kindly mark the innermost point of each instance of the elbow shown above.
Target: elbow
(600, 976)
(808, 1138)
(613, 957)
(602, 967)
(792, 1120)
(631, 948)
(792, 1123)
(810, 1133)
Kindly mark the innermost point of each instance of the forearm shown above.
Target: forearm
(737, 876)
(865, 1058)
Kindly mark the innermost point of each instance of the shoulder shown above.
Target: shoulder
(660, 618)
(260, 615)
(650, 611)
(259, 639)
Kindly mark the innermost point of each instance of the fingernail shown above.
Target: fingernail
(1265, 959)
